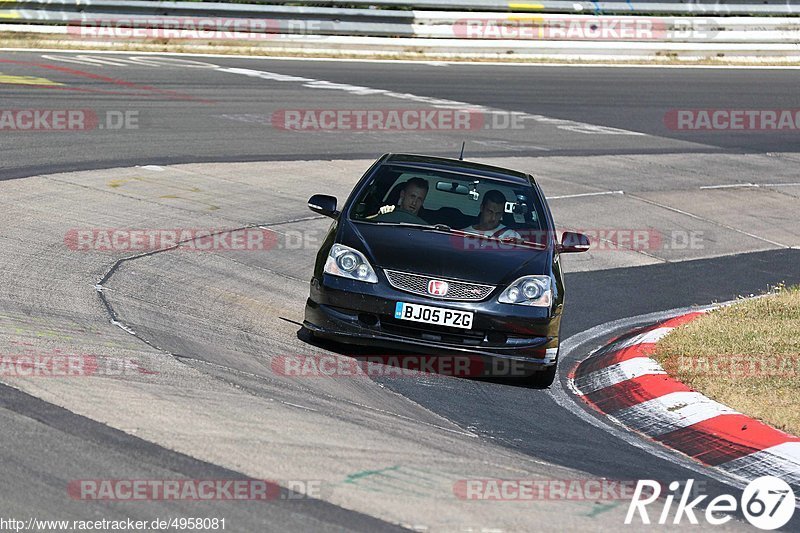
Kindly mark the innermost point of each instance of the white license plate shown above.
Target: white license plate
(433, 315)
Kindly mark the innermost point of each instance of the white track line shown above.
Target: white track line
(749, 185)
(437, 62)
(710, 221)
(730, 186)
(441, 103)
(581, 195)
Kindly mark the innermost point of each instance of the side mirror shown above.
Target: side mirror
(324, 205)
(573, 242)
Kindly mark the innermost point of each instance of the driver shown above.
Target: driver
(492, 209)
(407, 209)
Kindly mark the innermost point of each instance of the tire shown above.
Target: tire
(544, 378)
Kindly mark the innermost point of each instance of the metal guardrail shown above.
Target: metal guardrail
(643, 7)
(470, 27)
(247, 21)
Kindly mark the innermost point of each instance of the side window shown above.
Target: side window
(373, 198)
(520, 207)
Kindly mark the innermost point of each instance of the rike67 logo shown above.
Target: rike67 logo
(767, 503)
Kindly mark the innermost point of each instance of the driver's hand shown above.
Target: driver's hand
(386, 209)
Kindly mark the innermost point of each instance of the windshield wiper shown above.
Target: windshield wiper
(428, 227)
(441, 227)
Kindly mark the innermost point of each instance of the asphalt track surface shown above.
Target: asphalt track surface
(208, 115)
(197, 123)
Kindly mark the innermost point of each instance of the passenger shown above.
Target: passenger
(492, 209)
(407, 209)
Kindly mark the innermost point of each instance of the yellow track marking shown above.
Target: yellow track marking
(26, 80)
(525, 6)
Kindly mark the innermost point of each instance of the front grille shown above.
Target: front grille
(418, 284)
(417, 330)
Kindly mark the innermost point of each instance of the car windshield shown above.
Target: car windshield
(450, 201)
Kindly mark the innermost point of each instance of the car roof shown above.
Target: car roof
(467, 167)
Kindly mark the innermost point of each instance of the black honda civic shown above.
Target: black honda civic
(443, 257)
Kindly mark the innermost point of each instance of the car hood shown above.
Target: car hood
(444, 254)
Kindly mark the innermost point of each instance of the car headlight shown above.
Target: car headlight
(529, 290)
(349, 263)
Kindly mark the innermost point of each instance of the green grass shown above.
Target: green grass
(746, 356)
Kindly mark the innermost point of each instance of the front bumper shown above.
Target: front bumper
(363, 314)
